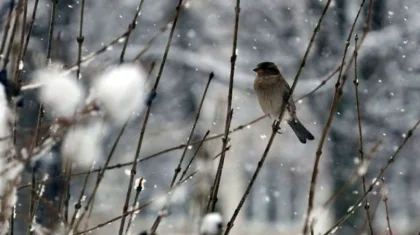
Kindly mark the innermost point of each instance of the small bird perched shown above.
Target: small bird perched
(272, 90)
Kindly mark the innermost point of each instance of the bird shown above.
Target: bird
(272, 90)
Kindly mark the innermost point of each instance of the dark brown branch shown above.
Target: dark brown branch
(131, 27)
(338, 93)
(229, 110)
(388, 221)
(80, 39)
(359, 125)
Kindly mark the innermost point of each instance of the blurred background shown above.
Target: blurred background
(269, 30)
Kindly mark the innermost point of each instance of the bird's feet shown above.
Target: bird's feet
(276, 128)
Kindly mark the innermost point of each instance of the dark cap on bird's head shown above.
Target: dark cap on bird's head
(267, 67)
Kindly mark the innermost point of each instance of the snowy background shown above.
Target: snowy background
(279, 31)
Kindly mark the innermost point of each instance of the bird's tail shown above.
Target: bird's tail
(301, 132)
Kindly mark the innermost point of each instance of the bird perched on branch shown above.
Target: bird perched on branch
(272, 90)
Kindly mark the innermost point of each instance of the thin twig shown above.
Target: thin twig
(28, 35)
(16, 23)
(385, 200)
(168, 200)
(78, 204)
(197, 117)
(100, 177)
(51, 207)
(139, 188)
(40, 117)
(194, 155)
(321, 84)
(17, 84)
(37, 137)
(118, 40)
(178, 168)
(229, 111)
(160, 32)
(373, 210)
(80, 39)
(211, 205)
(338, 93)
(68, 163)
(19, 58)
(359, 125)
(131, 27)
(372, 185)
(146, 118)
(7, 27)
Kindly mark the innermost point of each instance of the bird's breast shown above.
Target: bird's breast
(269, 94)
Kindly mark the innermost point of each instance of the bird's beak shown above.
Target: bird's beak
(255, 70)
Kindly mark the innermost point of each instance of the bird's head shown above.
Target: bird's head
(267, 68)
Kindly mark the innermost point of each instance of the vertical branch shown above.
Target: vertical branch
(229, 110)
(98, 181)
(40, 117)
(197, 116)
(68, 163)
(51, 29)
(7, 27)
(78, 204)
(16, 23)
(184, 173)
(338, 93)
(385, 200)
(146, 118)
(31, 25)
(359, 124)
(388, 222)
(19, 58)
(80, 39)
(139, 188)
(17, 84)
(131, 27)
(274, 132)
